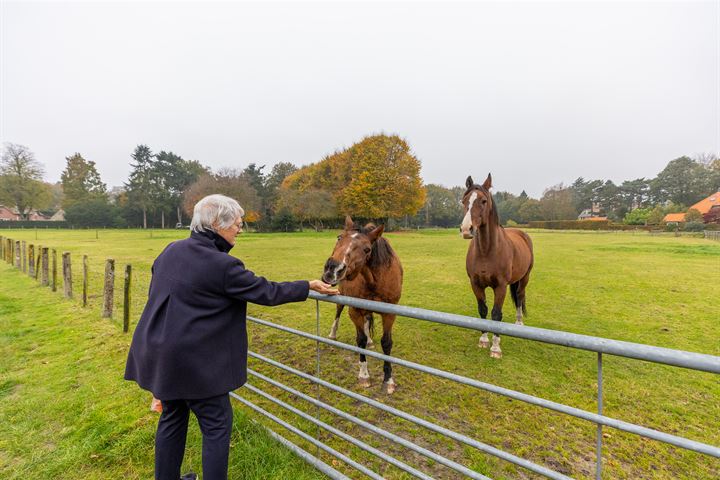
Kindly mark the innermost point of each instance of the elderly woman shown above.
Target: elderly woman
(190, 345)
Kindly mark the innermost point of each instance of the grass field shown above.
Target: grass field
(59, 361)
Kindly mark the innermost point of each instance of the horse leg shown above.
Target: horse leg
(500, 292)
(359, 320)
(521, 285)
(366, 328)
(333, 329)
(482, 310)
(387, 343)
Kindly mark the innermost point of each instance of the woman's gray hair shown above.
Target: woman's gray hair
(215, 211)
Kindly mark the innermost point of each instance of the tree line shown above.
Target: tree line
(377, 178)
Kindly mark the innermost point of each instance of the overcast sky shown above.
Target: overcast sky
(537, 93)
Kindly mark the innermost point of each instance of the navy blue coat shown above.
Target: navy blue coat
(191, 340)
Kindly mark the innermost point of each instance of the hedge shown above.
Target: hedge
(586, 225)
(33, 224)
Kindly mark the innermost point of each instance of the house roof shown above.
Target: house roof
(704, 205)
(594, 219)
(674, 217)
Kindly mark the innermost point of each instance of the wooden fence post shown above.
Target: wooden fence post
(85, 280)
(45, 280)
(24, 256)
(126, 299)
(67, 275)
(18, 258)
(2, 246)
(54, 270)
(31, 260)
(37, 262)
(108, 290)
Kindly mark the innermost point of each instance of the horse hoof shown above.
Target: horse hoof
(332, 337)
(519, 322)
(495, 354)
(389, 388)
(484, 344)
(364, 382)
(370, 344)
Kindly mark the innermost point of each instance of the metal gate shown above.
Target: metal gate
(677, 358)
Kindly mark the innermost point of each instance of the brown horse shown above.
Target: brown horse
(365, 266)
(497, 257)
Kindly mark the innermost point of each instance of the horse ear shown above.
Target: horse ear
(469, 182)
(376, 233)
(488, 182)
(348, 223)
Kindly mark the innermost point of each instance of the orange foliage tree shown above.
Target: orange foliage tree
(376, 178)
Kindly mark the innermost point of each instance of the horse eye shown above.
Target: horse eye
(367, 249)
(484, 201)
(339, 237)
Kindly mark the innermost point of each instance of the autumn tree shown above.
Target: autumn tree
(227, 182)
(21, 182)
(81, 181)
(376, 178)
(313, 206)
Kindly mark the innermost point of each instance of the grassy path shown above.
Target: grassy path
(65, 411)
(654, 290)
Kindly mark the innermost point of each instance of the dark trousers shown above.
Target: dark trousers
(215, 417)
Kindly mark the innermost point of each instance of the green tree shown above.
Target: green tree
(273, 181)
(81, 181)
(656, 215)
(693, 215)
(639, 216)
(682, 181)
(442, 207)
(557, 203)
(611, 201)
(530, 211)
(142, 190)
(94, 212)
(172, 175)
(21, 182)
(635, 193)
(585, 193)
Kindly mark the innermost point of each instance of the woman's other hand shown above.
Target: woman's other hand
(322, 287)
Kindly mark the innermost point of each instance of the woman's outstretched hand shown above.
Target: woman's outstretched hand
(322, 287)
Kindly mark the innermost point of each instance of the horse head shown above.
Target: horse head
(352, 251)
(479, 208)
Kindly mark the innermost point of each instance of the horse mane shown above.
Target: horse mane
(493, 211)
(382, 253)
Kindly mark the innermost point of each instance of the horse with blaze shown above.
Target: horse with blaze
(497, 257)
(363, 265)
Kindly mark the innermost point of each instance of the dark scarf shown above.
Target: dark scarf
(219, 242)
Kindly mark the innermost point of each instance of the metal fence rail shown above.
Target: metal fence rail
(677, 358)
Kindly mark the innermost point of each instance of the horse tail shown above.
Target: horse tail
(514, 294)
